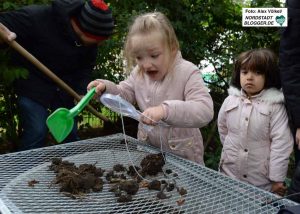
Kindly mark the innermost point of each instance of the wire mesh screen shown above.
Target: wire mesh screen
(207, 190)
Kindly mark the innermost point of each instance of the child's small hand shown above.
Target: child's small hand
(100, 87)
(152, 115)
(278, 188)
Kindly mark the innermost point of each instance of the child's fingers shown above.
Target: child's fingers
(91, 85)
(147, 119)
(99, 86)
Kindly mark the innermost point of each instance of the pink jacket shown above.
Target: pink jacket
(187, 102)
(256, 138)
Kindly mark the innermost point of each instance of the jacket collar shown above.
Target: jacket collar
(271, 95)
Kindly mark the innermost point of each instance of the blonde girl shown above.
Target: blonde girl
(164, 86)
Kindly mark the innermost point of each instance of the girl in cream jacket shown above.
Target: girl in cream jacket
(253, 124)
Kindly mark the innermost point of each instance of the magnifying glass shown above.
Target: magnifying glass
(117, 104)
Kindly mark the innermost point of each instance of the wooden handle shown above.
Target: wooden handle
(53, 77)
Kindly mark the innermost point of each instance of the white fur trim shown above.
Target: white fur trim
(271, 95)
(234, 91)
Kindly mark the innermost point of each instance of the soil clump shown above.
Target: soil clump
(125, 182)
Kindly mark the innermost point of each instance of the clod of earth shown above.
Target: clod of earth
(182, 191)
(161, 194)
(124, 198)
(170, 187)
(168, 171)
(32, 183)
(152, 164)
(131, 170)
(129, 186)
(154, 185)
(75, 181)
(119, 168)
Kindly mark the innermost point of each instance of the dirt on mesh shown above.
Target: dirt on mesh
(125, 182)
(76, 180)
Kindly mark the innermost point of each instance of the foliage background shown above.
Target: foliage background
(209, 30)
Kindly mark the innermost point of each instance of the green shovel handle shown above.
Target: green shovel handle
(82, 103)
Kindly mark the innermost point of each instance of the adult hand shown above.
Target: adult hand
(278, 188)
(298, 138)
(152, 115)
(100, 87)
(6, 35)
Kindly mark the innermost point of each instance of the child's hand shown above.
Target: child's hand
(152, 115)
(278, 188)
(100, 87)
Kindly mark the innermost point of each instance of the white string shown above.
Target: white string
(161, 147)
(126, 144)
(125, 139)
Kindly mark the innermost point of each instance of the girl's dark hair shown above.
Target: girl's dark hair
(262, 60)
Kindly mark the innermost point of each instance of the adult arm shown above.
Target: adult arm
(82, 76)
(13, 23)
(289, 61)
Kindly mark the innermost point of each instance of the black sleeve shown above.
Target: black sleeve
(19, 22)
(289, 60)
(83, 75)
(81, 81)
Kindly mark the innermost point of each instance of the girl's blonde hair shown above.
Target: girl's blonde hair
(148, 23)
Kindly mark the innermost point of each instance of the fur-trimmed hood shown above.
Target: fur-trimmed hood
(271, 95)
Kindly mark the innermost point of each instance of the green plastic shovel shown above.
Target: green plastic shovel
(61, 121)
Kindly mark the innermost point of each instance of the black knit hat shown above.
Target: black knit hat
(95, 20)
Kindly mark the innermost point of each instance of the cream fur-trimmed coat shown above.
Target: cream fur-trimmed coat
(256, 138)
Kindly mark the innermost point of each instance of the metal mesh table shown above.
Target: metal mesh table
(207, 191)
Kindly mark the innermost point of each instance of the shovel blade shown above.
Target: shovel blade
(60, 124)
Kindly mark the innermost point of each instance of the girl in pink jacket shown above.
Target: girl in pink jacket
(253, 124)
(164, 86)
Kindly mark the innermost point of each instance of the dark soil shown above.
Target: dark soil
(75, 181)
(152, 164)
